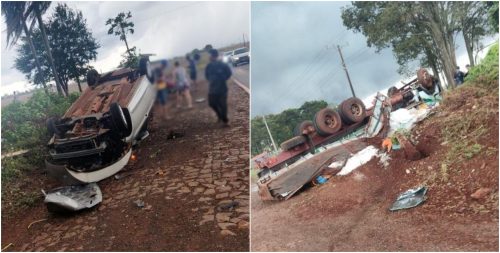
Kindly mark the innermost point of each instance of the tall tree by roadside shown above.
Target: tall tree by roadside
(121, 26)
(15, 19)
(415, 30)
(473, 21)
(73, 48)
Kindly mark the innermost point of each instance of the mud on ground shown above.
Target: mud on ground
(186, 184)
(351, 213)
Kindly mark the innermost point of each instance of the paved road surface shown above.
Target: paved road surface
(241, 73)
(187, 184)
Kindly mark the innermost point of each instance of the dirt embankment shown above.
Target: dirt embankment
(459, 144)
(185, 183)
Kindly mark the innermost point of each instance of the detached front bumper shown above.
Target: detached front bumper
(70, 177)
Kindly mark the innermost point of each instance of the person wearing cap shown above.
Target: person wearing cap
(217, 73)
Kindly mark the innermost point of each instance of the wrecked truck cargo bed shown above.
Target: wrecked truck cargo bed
(284, 183)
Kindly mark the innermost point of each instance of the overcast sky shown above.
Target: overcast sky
(295, 58)
(165, 28)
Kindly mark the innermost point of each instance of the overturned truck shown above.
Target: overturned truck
(316, 145)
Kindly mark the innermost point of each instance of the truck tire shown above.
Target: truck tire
(119, 120)
(304, 125)
(293, 142)
(146, 69)
(352, 111)
(327, 121)
(92, 77)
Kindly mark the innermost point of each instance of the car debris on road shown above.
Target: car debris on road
(410, 198)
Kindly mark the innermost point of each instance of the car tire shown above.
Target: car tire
(327, 121)
(293, 142)
(92, 77)
(51, 127)
(119, 119)
(352, 111)
(299, 129)
(145, 68)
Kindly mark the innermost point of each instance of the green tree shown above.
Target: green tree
(16, 15)
(130, 59)
(415, 30)
(121, 26)
(281, 125)
(73, 48)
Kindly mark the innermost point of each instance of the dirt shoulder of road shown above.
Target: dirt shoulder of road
(185, 182)
(459, 144)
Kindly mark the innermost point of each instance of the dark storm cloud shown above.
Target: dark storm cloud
(166, 29)
(295, 58)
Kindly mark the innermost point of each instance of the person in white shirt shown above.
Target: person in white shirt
(182, 85)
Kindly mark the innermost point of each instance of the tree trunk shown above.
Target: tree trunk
(126, 43)
(32, 47)
(49, 52)
(79, 85)
(469, 45)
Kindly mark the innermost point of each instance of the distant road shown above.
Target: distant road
(242, 75)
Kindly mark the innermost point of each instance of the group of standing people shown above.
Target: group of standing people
(216, 73)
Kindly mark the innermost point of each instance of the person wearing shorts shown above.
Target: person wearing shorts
(192, 70)
(161, 87)
(182, 85)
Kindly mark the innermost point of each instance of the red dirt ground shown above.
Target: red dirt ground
(351, 213)
(182, 181)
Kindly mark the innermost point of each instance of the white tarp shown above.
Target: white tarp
(357, 160)
(405, 119)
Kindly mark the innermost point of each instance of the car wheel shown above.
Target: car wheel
(119, 119)
(352, 111)
(92, 77)
(293, 142)
(306, 125)
(327, 121)
(146, 69)
(51, 127)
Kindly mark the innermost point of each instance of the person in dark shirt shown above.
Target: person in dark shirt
(192, 70)
(217, 73)
(459, 76)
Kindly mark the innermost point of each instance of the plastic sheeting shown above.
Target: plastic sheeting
(405, 119)
(357, 160)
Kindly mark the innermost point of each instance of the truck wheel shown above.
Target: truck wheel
(327, 121)
(119, 119)
(51, 127)
(146, 69)
(306, 125)
(352, 111)
(92, 77)
(293, 142)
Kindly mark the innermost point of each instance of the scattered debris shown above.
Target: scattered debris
(384, 159)
(410, 198)
(139, 203)
(228, 206)
(123, 175)
(358, 159)
(73, 198)
(34, 222)
(411, 153)
(6, 247)
(199, 100)
(481, 193)
(175, 134)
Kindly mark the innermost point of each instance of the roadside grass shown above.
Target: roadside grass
(23, 127)
(467, 111)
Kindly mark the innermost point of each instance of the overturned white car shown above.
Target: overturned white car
(94, 138)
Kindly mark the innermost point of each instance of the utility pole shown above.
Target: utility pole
(244, 44)
(269, 132)
(347, 73)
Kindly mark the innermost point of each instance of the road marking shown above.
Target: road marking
(241, 85)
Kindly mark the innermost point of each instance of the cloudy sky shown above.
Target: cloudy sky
(165, 28)
(295, 58)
